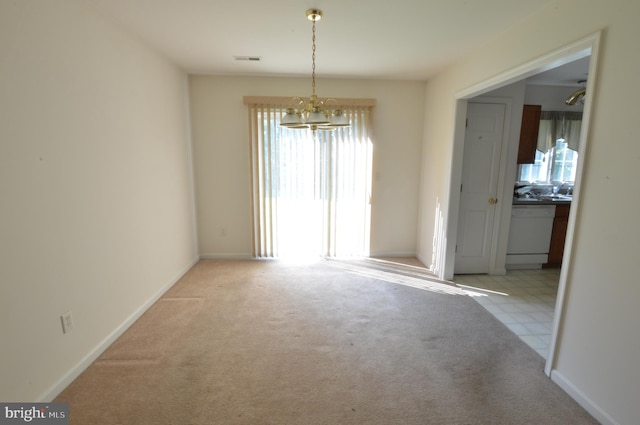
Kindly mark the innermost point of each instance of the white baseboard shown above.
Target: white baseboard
(226, 257)
(424, 261)
(72, 374)
(393, 254)
(251, 257)
(581, 398)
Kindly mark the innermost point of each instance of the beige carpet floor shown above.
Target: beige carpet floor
(270, 342)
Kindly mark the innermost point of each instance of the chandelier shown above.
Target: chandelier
(314, 113)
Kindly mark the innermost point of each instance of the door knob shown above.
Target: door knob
(492, 201)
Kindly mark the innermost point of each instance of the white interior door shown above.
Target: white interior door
(478, 194)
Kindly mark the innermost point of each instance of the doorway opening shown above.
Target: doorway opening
(587, 47)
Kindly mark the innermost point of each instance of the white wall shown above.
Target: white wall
(596, 358)
(221, 152)
(551, 98)
(96, 212)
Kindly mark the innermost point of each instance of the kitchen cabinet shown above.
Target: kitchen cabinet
(558, 235)
(529, 134)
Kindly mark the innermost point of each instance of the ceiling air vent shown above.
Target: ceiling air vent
(248, 58)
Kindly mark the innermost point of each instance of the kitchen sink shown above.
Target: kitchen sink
(545, 199)
(556, 197)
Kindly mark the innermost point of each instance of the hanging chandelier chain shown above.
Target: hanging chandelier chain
(313, 59)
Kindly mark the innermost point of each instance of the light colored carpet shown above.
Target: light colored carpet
(267, 342)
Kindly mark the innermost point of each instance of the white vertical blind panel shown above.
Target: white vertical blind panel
(311, 190)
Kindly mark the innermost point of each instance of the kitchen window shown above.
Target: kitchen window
(556, 158)
(558, 164)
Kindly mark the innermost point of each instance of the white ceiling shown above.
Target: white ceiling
(570, 74)
(402, 39)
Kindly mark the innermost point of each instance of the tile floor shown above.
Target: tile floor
(524, 300)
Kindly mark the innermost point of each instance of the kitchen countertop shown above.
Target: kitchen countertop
(563, 200)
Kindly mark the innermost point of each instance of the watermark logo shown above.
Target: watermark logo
(34, 413)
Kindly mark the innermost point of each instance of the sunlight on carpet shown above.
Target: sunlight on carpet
(400, 273)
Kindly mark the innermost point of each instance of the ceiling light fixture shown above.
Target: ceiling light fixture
(577, 95)
(314, 113)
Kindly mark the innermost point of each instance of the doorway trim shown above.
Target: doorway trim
(588, 46)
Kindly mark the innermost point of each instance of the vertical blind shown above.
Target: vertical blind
(311, 190)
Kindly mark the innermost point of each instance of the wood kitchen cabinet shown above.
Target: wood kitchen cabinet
(529, 134)
(558, 235)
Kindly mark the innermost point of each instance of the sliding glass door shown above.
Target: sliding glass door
(311, 189)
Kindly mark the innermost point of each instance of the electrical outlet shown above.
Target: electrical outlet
(67, 322)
